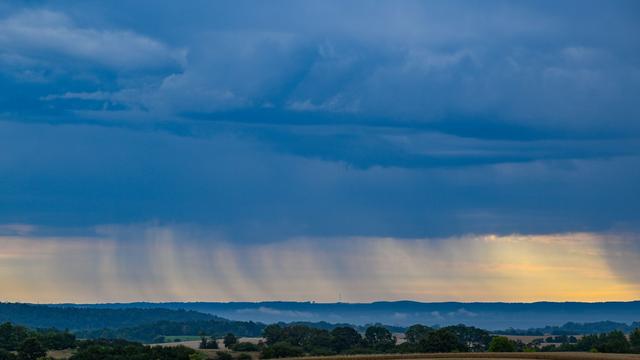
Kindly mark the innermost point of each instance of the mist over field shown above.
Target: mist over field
(402, 314)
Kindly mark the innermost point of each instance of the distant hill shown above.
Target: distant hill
(147, 321)
(81, 318)
(572, 328)
(493, 316)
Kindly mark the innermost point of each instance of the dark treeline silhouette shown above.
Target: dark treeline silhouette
(298, 340)
(21, 343)
(31, 344)
(572, 328)
(330, 326)
(153, 332)
(121, 349)
(612, 342)
(12, 336)
(77, 318)
(301, 340)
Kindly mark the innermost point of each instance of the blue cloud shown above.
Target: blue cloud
(270, 120)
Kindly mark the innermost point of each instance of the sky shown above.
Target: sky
(329, 150)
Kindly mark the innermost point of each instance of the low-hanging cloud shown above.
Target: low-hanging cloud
(45, 35)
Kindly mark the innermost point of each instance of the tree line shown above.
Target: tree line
(155, 332)
(32, 344)
(21, 343)
(572, 328)
(79, 319)
(299, 340)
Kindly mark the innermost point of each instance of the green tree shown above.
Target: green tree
(441, 340)
(56, 340)
(230, 340)
(587, 343)
(5, 355)
(501, 344)
(614, 342)
(416, 332)
(634, 340)
(379, 338)
(31, 349)
(344, 338)
(12, 336)
(212, 343)
(272, 334)
(281, 350)
(470, 337)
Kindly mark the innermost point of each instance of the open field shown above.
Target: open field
(179, 338)
(188, 343)
(479, 356)
(60, 354)
(194, 341)
(527, 339)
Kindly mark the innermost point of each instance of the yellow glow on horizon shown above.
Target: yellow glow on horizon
(165, 265)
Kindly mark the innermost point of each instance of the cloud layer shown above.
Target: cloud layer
(165, 264)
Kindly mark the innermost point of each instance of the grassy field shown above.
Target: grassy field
(480, 356)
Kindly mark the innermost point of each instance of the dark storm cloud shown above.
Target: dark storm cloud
(569, 67)
(81, 176)
(270, 120)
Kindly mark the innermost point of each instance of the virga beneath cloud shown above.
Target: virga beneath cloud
(165, 264)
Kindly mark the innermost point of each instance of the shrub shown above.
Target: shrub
(5, 355)
(379, 338)
(344, 338)
(501, 344)
(441, 340)
(634, 340)
(31, 349)
(280, 350)
(211, 343)
(230, 340)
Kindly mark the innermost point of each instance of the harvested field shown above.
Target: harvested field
(194, 341)
(527, 339)
(480, 356)
(189, 343)
(60, 354)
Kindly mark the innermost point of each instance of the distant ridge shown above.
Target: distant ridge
(85, 318)
(489, 315)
